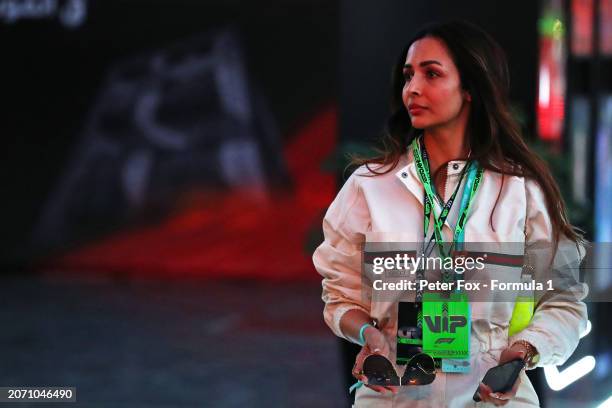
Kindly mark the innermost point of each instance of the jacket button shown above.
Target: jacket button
(404, 174)
(455, 166)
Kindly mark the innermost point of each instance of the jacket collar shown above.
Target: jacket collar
(410, 179)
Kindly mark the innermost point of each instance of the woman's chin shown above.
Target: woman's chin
(417, 124)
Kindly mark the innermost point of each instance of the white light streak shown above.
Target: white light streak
(559, 380)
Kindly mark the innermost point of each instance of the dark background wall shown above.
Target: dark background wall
(50, 76)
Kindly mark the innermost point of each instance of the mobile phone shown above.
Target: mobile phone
(502, 377)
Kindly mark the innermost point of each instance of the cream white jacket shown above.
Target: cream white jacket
(389, 208)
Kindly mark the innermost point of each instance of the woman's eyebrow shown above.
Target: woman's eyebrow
(424, 63)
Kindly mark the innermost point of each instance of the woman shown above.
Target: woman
(450, 102)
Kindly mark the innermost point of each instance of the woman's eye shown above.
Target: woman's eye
(407, 76)
(432, 74)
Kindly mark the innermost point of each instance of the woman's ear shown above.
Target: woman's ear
(468, 96)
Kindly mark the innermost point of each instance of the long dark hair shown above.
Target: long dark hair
(494, 135)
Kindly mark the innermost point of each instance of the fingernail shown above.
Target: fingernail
(377, 350)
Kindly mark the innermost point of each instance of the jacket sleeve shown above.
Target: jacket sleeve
(558, 320)
(338, 258)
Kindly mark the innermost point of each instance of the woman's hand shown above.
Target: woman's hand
(375, 343)
(502, 398)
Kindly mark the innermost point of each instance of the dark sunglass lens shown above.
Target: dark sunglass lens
(424, 362)
(380, 371)
(419, 371)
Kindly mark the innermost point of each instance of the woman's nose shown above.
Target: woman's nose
(414, 86)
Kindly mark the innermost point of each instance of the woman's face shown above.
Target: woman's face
(432, 92)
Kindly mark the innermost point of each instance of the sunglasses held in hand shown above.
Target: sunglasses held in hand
(420, 370)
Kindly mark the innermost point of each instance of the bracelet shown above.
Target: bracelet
(531, 356)
(361, 331)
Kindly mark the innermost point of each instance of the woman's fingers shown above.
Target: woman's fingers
(484, 391)
(377, 343)
(358, 366)
(486, 394)
(502, 398)
(383, 390)
(382, 349)
(378, 388)
(497, 398)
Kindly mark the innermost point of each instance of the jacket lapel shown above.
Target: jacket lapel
(410, 179)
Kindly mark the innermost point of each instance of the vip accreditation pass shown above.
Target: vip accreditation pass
(462, 285)
(37, 394)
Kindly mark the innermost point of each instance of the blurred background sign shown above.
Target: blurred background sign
(68, 13)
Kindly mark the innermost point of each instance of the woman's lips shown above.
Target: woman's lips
(416, 109)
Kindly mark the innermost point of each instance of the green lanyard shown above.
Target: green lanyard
(474, 179)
